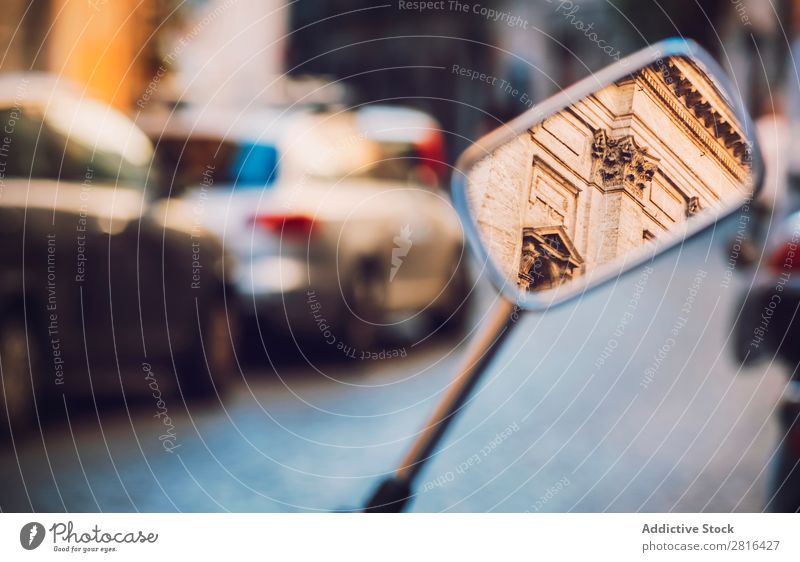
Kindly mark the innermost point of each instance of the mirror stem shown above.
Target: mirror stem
(394, 492)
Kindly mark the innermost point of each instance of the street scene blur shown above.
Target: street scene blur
(233, 276)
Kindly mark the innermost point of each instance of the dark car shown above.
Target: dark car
(103, 289)
(768, 330)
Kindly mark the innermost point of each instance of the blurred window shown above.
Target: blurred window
(207, 161)
(19, 136)
(391, 161)
(397, 162)
(365, 159)
(387, 146)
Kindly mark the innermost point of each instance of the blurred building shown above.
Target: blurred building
(230, 52)
(130, 53)
(391, 55)
(110, 46)
(610, 172)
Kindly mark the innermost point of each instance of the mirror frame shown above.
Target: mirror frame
(674, 47)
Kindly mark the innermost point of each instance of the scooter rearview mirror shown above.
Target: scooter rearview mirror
(587, 185)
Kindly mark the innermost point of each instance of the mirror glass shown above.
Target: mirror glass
(634, 161)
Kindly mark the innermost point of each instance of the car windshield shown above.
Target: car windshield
(335, 147)
(92, 135)
(209, 161)
(73, 140)
(382, 160)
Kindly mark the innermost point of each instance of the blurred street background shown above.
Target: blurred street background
(273, 289)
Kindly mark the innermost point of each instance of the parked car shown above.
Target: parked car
(336, 218)
(98, 280)
(768, 329)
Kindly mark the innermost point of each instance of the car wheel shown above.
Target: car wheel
(18, 370)
(207, 366)
(784, 492)
(453, 314)
(744, 349)
(362, 312)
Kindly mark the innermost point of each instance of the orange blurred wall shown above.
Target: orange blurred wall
(103, 44)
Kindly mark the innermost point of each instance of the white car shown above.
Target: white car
(336, 220)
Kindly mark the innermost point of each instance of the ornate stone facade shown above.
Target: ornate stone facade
(622, 163)
(609, 173)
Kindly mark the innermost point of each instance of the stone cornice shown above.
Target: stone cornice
(696, 113)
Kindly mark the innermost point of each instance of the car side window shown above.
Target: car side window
(90, 139)
(75, 160)
(38, 145)
(22, 154)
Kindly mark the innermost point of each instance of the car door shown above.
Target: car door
(99, 192)
(39, 230)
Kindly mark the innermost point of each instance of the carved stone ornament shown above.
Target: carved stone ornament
(622, 162)
(693, 206)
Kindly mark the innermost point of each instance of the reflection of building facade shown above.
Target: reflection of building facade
(608, 173)
(107, 45)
